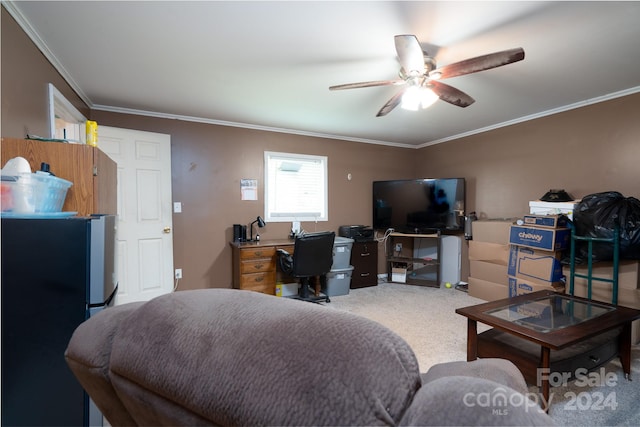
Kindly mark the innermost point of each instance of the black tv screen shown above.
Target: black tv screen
(419, 205)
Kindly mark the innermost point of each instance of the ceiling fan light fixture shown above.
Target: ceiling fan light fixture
(416, 97)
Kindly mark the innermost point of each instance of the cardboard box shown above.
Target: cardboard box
(489, 252)
(529, 263)
(492, 230)
(486, 290)
(518, 286)
(626, 298)
(602, 292)
(550, 221)
(538, 207)
(489, 271)
(550, 239)
(628, 273)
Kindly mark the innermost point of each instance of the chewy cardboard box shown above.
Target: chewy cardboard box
(492, 230)
(550, 221)
(489, 252)
(549, 239)
(518, 286)
(628, 273)
(486, 290)
(489, 271)
(529, 263)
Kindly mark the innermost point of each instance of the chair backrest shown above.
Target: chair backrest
(313, 254)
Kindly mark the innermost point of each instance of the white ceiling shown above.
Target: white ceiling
(268, 65)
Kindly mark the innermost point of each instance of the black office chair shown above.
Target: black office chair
(312, 257)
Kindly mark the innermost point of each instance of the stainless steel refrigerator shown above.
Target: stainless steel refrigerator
(55, 274)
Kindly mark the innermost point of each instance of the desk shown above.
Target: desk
(255, 264)
(549, 321)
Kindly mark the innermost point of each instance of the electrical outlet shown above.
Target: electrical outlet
(178, 273)
(398, 247)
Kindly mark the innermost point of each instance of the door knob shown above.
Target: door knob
(167, 230)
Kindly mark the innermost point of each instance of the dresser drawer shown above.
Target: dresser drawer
(256, 265)
(364, 258)
(261, 282)
(257, 253)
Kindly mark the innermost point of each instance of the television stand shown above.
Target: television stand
(418, 260)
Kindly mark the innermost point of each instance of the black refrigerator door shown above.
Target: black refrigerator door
(44, 293)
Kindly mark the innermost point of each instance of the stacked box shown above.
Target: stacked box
(548, 239)
(628, 287)
(535, 254)
(489, 258)
(551, 221)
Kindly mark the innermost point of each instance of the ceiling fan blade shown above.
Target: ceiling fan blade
(391, 104)
(410, 53)
(367, 84)
(450, 94)
(479, 63)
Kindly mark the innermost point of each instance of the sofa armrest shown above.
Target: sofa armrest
(88, 356)
(501, 371)
(469, 401)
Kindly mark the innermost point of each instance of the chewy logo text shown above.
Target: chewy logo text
(530, 236)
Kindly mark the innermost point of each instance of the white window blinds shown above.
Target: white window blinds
(295, 187)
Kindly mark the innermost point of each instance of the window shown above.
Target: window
(65, 121)
(295, 187)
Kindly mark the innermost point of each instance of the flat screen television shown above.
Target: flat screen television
(419, 205)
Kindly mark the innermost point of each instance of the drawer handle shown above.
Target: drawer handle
(257, 266)
(367, 254)
(364, 274)
(259, 279)
(257, 253)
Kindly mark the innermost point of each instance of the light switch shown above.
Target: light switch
(177, 207)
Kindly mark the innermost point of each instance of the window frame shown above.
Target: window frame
(270, 156)
(65, 121)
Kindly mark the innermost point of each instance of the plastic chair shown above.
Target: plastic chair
(312, 256)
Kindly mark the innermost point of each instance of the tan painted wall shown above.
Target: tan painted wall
(586, 150)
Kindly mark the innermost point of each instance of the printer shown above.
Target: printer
(359, 233)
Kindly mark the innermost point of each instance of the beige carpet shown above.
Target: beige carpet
(425, 317)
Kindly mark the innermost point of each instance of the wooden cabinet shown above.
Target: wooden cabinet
(364, 258)
(255, 264)
(92, 172)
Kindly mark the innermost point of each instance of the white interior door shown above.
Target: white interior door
(144, 249)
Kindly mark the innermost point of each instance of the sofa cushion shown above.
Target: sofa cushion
(232, 357)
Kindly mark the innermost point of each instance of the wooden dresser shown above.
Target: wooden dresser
(255, 264)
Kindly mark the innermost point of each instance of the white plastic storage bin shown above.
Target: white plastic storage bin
(338, 282)
(537, 207)
(341, 252)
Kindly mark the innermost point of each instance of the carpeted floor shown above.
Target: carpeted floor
(425, 317)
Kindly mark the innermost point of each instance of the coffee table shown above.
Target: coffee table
(548, 320)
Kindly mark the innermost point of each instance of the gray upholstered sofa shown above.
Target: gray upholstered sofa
(230, 357)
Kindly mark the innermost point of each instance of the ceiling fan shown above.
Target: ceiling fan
(419, 75)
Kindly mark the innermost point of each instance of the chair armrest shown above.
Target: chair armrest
(282, 252)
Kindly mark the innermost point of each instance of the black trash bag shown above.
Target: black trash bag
(597, 215)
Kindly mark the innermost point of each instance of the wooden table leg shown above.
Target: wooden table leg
(624, 349)
(472, 340)
(545, 364)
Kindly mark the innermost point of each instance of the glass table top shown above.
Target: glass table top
(550, 313)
